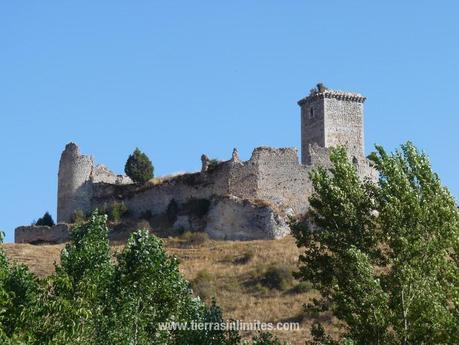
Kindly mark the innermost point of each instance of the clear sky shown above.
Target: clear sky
(182, 78)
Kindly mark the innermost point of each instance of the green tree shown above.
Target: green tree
(384, 254)
(19, 293)
(94, 299)
(139, 167)
(45, 220)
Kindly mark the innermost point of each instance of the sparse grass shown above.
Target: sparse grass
(228, 278)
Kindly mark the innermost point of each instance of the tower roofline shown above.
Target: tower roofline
(322, 93)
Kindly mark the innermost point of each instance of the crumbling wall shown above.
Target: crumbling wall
(101, 174)
(76, 178)
(74, 191)
(35, 234)
(232, 218)
(155, 198)
(243, 178)
(282, 180)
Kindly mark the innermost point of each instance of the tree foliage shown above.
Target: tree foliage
(47, 220)
(139, 167)
(383, 254)
(94, 299)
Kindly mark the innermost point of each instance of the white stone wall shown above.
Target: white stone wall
(76, 178)
(312, 127)
(232, 218)
(282, 180)
(344, 125)
(74, 191)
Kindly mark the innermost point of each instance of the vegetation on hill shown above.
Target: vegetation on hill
(92, 300)
(386, 258)
(139, 167)
(235, 273)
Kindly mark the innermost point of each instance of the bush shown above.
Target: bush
(79, 217)
(213, 165)
(46, 220)
(194, 239)
(139, 167)
(117, 211)
(277, 277)
(203, 285)
(266, 339)
(245, 258)
(302, 287)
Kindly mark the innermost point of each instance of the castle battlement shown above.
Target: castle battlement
(336, 94)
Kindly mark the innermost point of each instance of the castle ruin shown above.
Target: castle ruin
(235, 200)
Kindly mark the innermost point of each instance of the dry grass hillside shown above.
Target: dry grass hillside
(250, 280)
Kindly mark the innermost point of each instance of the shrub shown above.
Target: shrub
(213, 165)
(79, 217)
(302, 287)
(277, 277)
(139, 167)
(203, 285)
(193, 239)
(245, 258)
(117, 211)
(266, 339)
(46, 220)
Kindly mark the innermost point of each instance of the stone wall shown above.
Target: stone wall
(282, 180)
(312, 126)
(76, 178)
(232, 218)
(344, 125)
(272, 175)
(73, 190)
(34, 234)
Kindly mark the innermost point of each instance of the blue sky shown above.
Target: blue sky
(182, 78)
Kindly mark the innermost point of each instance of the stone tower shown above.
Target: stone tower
(73, 188)
(332, 118)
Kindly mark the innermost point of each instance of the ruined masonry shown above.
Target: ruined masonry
(234, 200)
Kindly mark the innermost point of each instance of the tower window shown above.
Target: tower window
(311, 113)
